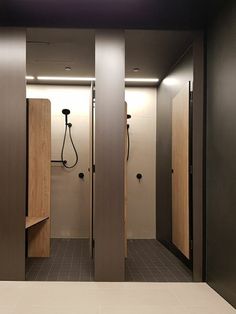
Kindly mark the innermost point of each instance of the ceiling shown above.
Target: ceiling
(49, 51)
(154, 52)
(125, 14)
(161, 14)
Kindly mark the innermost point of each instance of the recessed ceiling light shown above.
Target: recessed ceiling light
(68, 68)
(29, 77)
(136, 69)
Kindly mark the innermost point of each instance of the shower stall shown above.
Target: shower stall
(99, 150)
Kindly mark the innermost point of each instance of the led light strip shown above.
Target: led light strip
(89, 79)
(142, 80)
(64, 78)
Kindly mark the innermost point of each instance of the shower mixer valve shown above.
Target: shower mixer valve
(81, 175)
(139, 176)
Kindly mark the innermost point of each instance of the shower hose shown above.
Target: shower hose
(69, 125)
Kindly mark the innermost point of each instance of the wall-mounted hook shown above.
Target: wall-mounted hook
(139, 176)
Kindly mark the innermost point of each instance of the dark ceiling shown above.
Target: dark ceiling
(136, 14)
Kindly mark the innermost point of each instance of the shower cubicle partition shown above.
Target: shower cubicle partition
(39, 177)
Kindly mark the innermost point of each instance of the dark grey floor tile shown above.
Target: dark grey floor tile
(68, 262)
(149, 260)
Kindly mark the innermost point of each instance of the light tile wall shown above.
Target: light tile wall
(141, 211)
(70, 195)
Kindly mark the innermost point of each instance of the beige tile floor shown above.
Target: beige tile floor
(110, 298)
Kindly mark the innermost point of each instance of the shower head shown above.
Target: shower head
(66, 112)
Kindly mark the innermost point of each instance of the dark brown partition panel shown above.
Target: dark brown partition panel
(221, 154)
(110, 121)
(13, 153)
(198, 156)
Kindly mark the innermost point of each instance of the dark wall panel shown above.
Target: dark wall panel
(221, 155)
(180, 74)
(198, 157)
(13, 154)
(110, 126)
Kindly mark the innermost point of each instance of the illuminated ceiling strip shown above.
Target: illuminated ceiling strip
(89, 79)
(142, 80)
(65, 78)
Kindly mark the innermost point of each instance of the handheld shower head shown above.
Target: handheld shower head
(66, 112)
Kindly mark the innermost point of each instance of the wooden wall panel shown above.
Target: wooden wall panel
(13, 153)
(39, 175)
(180, 171)
(125, 183)
(110, 122)
(91, 174)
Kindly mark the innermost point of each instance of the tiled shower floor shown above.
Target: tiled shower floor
(150, 261)
(147, 261)
(69, 261)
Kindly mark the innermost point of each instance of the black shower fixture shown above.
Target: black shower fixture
(66, 112)
(139, 176)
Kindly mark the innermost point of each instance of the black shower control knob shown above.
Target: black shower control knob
(81, 175)
(139, 176)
